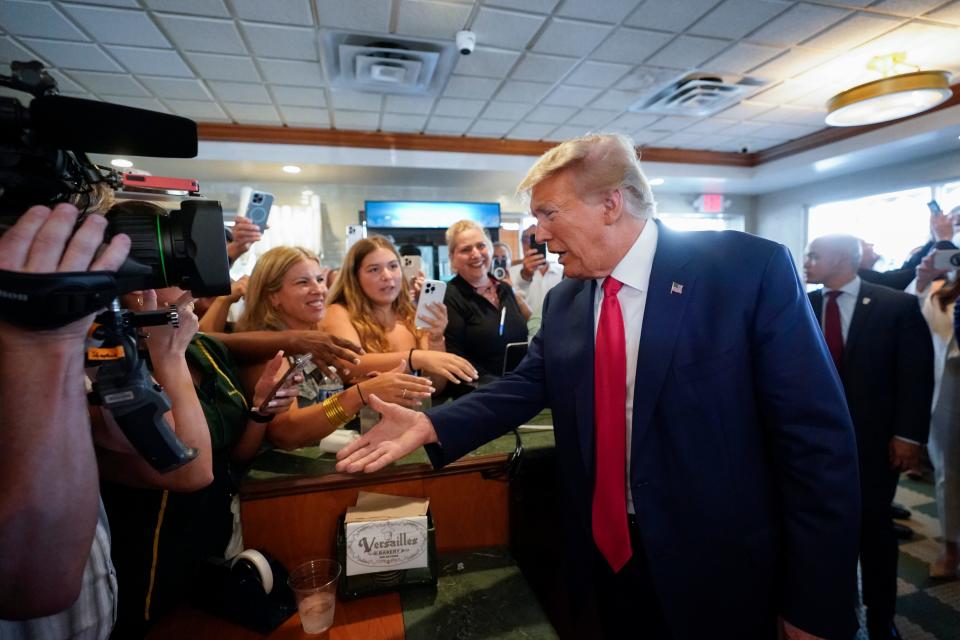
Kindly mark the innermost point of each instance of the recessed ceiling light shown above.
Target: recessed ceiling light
(656, 182)
(123, 163)
(291, 168)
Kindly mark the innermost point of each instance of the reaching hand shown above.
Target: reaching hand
(245, 233)
(284, 396)
(449, 365)
(399, 433)
(398, 387)
(326, 348)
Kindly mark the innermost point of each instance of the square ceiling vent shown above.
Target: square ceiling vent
(699, 94)
(382, 64)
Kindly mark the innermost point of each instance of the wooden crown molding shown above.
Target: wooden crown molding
(424, 142)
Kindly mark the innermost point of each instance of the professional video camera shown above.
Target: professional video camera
(43, 160)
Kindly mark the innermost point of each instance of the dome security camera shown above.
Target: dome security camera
(466, 40)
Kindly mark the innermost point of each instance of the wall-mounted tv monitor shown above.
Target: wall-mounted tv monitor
(430, 215)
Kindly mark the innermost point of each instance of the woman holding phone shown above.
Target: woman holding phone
(287, 290)
(370, 304)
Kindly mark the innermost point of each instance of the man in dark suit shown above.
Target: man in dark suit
(707, 463)
(883, 351)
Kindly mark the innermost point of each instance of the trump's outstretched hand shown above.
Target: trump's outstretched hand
(399, 432)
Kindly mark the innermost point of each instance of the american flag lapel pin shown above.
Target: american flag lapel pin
(676, 288)
(866, 301)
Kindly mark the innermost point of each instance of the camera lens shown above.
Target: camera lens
(955, 259)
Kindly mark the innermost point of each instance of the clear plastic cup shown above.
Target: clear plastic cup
(314, 584)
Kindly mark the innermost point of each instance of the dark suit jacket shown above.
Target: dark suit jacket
(743, 460)
(887, 373)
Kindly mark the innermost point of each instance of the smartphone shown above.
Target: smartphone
(258, 208)
(355, 232)
(538, 246)
(297, 366)
(946, 259)
(432, 291)
(411, 266)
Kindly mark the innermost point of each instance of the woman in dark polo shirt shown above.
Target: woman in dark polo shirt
(484, 314)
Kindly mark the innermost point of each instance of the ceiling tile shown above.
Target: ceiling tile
(409, 104)
(736, 18)
(949, 13)
(244, 92)
(606, 11)
(403, 122)
(793, 62)
(551, 114)
(679, 140)
(569, 131)
(471, 87)
(207, 35)
(506, 29)
(429, 19)
(571, 96)
(506, 110)
(491, 128)
(37, 19)
(118, 26)
(356, 15)
(746, 109)
(151, 104)
(672, 123)
(853, 31)
(273, 41)
(458, 107)
(797, 24)
(784, 92)
(305, 116)
(540, 6)
(159, 62)
(597, 74)
(669, 15)
(253, 113)
(447, 125)
(634, 121)
(744, 129)
(631, 45)
(742, 57)
(10, 51)
(709, 126)
(283, 11)
(531, 131)
(353, 101)
(909, 8)
(491, 63)
(216, 67)
(115, 3)
(788, 114)
(520, 91)
(298, 96)
(645, 80)
(687, 51)
(542, 68)
(176, 88)
(213, 8)
(72, 55)
(198, 110)
(292, 72)
(569, 37)
(615, 100)
(647, 138)
(64, 83)
(592, 117)
(786, 131)
(114, 84)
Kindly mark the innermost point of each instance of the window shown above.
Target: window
(948, 196)
(896, 223)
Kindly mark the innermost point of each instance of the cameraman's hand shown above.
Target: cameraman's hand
(43, 241)
(166, 342)
(245, 233)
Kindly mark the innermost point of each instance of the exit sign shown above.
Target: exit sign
(711, 203)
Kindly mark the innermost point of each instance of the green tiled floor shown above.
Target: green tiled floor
(926, 609)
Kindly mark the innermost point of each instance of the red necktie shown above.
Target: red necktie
(610, 530)
(831, 328)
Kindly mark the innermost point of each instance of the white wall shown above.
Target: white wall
(781, 215)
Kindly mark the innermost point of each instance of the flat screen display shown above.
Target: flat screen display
(430, 215)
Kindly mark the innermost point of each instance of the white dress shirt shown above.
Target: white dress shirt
(535, 290)
(847, 303)
(634, 272)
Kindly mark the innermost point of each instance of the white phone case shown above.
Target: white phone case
(433, 291)
(411, 266)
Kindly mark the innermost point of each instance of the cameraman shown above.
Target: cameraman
(56, 578)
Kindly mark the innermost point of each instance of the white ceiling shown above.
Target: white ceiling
(542, 69)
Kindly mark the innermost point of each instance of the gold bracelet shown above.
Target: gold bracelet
(333, 409)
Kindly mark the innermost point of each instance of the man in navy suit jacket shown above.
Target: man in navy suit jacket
(740, 470)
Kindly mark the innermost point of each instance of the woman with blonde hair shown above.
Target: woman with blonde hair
(370, 304)
(287, 291)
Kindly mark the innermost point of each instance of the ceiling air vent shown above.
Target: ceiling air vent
(699, 94)
(376, 65)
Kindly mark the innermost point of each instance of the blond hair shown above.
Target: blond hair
(267, 277)
(459, 227)
(348, 292)
(602, 162)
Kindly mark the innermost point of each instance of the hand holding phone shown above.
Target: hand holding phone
(433, 291)
(258, 208)
(411, 266)
(295, 367)
(934, 207)
(540, 247)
